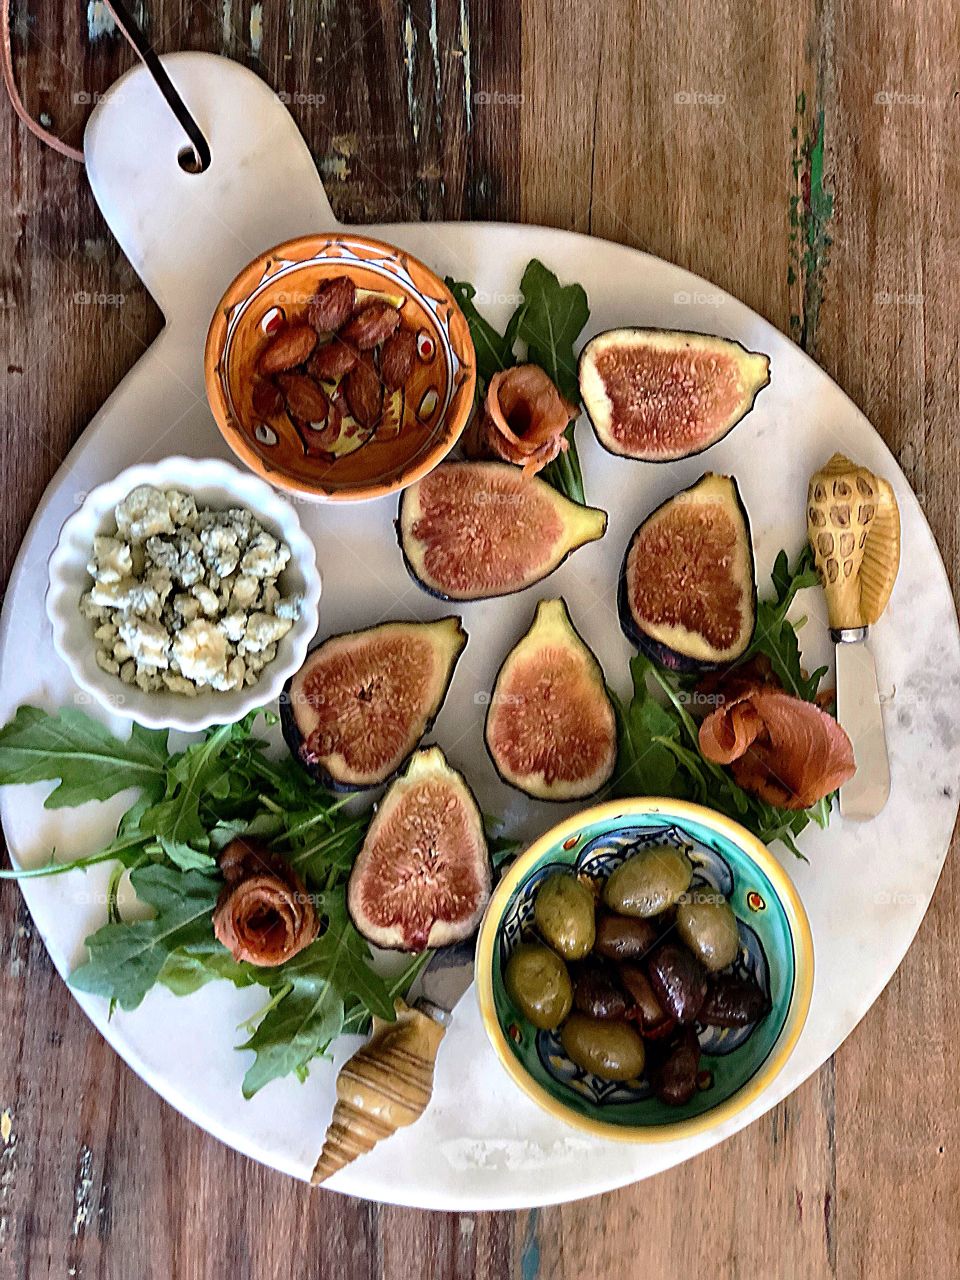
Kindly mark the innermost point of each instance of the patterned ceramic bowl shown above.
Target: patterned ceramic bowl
(776, 948)
(338, 458)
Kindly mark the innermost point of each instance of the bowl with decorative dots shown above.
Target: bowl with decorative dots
(326, 432)
(775, 950)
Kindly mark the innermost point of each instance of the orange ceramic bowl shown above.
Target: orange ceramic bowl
(338, 459)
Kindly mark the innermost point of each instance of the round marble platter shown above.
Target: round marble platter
(481, 1144)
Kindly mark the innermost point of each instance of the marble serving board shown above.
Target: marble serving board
(864, 886)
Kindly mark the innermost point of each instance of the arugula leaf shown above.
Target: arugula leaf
(191, 967)
(186, 857)
(194, 779)
(552, 319)
(494, 352)
(322, 978)
(645, 765)
(89, 761)
(775, 636)
(126, 958)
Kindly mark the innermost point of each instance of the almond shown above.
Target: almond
(332, 305)
(290, 347)
(332, 360)
(364, 392)
(305, 398)
(371, 325)
(397, 357)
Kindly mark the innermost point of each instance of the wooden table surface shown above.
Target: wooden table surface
(804, 157)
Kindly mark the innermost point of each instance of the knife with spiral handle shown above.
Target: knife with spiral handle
(388, 1082)
(853, 523)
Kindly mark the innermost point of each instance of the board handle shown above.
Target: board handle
(385, 1086)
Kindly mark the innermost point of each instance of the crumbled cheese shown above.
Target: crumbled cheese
(186, 598)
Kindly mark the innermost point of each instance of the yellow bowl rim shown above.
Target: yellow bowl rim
(796, 1014)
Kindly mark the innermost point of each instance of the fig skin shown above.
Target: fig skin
(293, 736)
(727, 345)
(660, 653)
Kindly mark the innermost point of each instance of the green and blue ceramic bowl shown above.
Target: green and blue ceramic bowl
(776, 948)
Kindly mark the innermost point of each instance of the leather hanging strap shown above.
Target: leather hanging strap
(200, 158)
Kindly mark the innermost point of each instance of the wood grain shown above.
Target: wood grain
(665, 126)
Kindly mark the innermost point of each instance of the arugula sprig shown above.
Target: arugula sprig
(546, 324)
(658, 738)
(191, 804)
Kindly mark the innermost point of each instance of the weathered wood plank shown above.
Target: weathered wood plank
(667, 127)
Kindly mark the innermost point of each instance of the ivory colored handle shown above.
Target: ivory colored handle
(853, 524)
(385, 1086)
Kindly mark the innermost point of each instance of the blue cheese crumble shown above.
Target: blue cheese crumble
(185, 598)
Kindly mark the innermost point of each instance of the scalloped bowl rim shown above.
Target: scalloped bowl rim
(799, 1006)
(68, 578)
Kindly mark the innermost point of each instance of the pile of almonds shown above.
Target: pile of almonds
(365, 346)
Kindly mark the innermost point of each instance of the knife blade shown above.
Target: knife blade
(860, 712)
(443, 980)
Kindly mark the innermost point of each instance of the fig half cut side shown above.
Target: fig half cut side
(423, 875)
(658, 395)
(687, 596)
(362, 701)
(550, 727)
(471, 530)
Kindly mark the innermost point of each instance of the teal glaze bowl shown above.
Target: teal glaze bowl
(776, 948)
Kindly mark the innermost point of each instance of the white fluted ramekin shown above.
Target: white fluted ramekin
(213, 484)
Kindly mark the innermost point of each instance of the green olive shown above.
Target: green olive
(706, 923)
(564, 912)
(538, 984)
(649, 882)
(611, 1050)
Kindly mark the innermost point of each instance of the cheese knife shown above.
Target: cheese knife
(854, 528)
(388, 1082)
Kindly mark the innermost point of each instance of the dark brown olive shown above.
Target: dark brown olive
(676, 1081)
(623, 937)
(538, 984)
(597, 993)
(678, 980)
(731, 1002)
(706, 923)
(564, 911)
(648, 882)
(611, 1050)
(650, 1011)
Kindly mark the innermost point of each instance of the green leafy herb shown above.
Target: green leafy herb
(546, 324)
(192, 804)
(659, 749)
(89, 761)
(126, 958)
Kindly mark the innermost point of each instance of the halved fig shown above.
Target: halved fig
(423, 876)
(550, 727)
(471, 530)
(658, 395)
(362, 701)
(687, 595)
